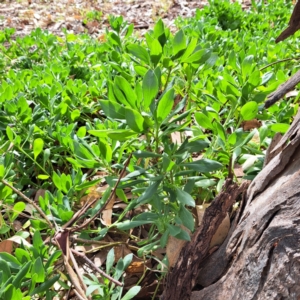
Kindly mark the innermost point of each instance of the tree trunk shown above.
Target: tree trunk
(260, 259)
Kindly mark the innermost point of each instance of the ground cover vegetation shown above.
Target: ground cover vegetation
(118, 140)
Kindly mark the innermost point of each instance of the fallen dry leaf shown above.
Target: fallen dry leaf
(6, 246)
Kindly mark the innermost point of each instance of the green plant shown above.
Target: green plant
(168, 110)
(104, 291)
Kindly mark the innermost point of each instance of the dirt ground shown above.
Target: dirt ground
(79, 16)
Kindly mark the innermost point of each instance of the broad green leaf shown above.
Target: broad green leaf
(220, 130)
(10, 134)
(179, 43)
(45, 286)
(183, 235)
(254, 78)
(2, 171)
(139, 52)
(205, 183)
(159, 32)
(112, 109)
(38, 242)
(155, 52)
(249, 110)
(150, 88)
(280, 127)
(8, 93)
(57, 180)
(19, 277)
(185, 198)
(75, 114)
(117, 134)
(203, 120)
(241, 141)
(129, 224)
(123, 85)
(38, 145)
(110, 260)
(190, 48)
(12, 293)
(247, 65)
(131, 293)
(5, 268)
(10, 260)
(134, 119)
(38, 268)
(17, 209)
(198, 56)
(186, 218)
(43, 176)
(165, 105)
(203, 165)
(149, 192)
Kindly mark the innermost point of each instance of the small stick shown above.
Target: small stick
(90, 263)
(108, 200)
(29, 201)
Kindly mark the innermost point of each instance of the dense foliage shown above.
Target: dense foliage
(74, 110)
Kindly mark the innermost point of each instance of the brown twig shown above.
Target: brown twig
(28, 201)
(92, 265)
(87, 222)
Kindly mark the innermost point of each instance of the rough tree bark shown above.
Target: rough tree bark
(260, 259)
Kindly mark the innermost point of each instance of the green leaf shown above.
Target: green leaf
(38, 268)
(165, 105)
(17, 209)
(2, 171)
(150, 88)
(38, 242)
(247, 65)
(179, 43)
(20, 276)
(254, 78)
(190, 48)
(220, 130)
(203, 165)
(129, 224)
(280, 127)
(139, 52)
(155, 52)
(159, 32)
(43, 176)
(185, 198)
(203, 120)
(10, 134)
(199, 56)
(195, 146)
(57, 180)
(121, 84)
(205, 183)
(183, 235)
(249, 110)
(45, 286)
(10, 260)
(8, 93)
(110, 260)
(117, 134)
(134, 119)
(149, 192)
(38, 146)
(75, 114)
(112, 109)
(186, 218)
(132, 293)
